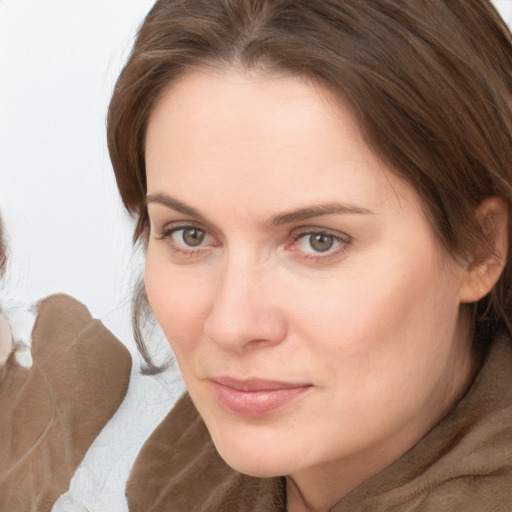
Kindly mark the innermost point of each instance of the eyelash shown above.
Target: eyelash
(342, 240)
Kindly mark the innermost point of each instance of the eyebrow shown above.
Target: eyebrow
(277, 220)
(317, 211)
(173, 204)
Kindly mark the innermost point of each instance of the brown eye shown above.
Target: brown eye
(321, 242)
(193, 237)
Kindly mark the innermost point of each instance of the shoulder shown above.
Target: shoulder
(68, 341)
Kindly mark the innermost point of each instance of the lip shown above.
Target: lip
(255, 397)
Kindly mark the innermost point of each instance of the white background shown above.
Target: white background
(67, 230)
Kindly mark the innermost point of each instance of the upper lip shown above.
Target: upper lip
(256, 384)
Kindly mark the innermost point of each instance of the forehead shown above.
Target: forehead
(251, 135)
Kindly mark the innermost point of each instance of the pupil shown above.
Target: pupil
(193, 237)
(321, 242)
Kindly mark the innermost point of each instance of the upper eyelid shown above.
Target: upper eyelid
(182, 225)
(306, 230)
(176, 225)
(189, 215)
(173, 229)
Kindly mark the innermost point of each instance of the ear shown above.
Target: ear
(488, 260)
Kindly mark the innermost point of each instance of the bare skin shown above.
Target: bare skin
(282, 250)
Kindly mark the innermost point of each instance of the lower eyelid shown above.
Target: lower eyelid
(325, 258)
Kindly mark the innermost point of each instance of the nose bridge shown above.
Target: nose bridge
(242, 312)
(235, 283)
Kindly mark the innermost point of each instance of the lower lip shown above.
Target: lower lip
(256, 403)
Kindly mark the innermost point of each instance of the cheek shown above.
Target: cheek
(178, 300)
(377, 342)
(378, 312)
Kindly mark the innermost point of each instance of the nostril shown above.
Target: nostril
(260, 343)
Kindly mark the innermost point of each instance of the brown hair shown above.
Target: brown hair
(430, 82)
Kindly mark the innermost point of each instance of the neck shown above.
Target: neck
(319, 489)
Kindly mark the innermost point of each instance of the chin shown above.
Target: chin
(255, 457)
(256, 466)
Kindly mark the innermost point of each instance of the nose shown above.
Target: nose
(245, 311)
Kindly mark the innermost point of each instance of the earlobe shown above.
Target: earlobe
(489, 259)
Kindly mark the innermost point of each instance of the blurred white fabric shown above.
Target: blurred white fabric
(99, 483)
(20, 317)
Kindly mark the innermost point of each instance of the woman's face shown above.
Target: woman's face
(312, 313)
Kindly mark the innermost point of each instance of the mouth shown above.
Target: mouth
(256, 397)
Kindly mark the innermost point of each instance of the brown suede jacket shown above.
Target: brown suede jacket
(52, 412)
(464, 464)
